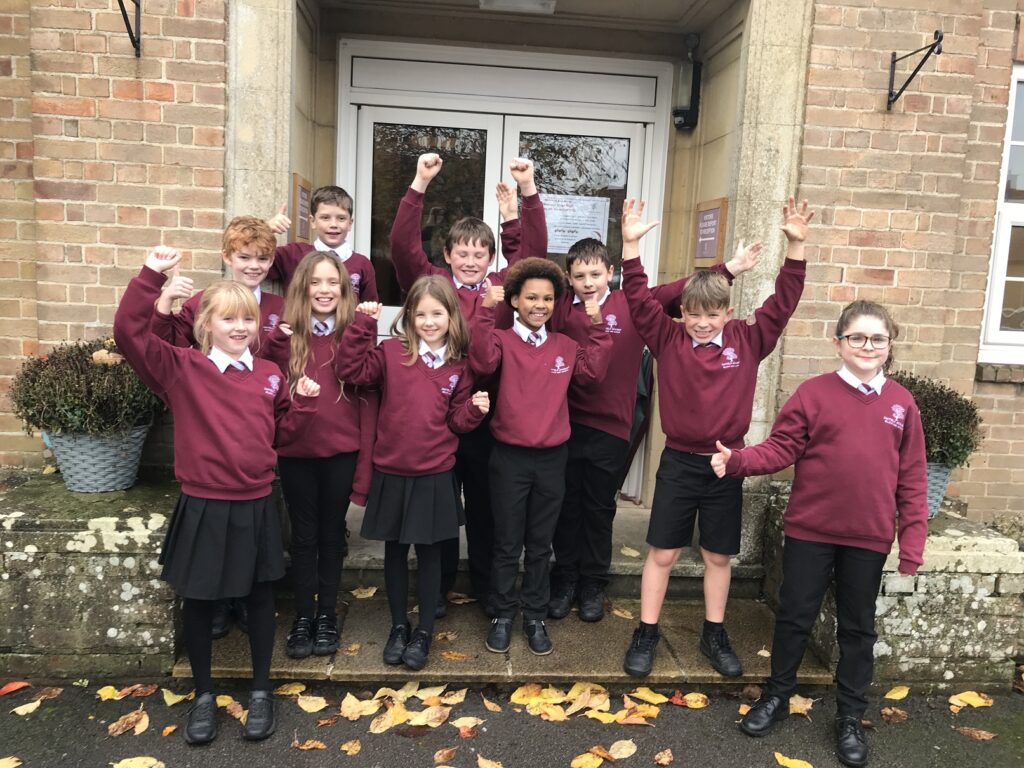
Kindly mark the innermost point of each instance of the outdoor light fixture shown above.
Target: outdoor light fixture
(545, 7)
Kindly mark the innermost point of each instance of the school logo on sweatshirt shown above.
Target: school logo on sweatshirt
(611, 324)
(453, 382)
(560, 366)
(896, 420)
(273, 385)
(272, 321)
(732, 360)
(356, 278)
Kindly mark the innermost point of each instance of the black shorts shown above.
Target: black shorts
(686, 485)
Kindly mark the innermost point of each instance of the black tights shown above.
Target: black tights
(428, 581)
(198, 620)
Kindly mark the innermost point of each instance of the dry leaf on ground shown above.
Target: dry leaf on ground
(27, 709)
(800, 705)
(664, 757)
(168, 730)
(454, 697)
(9, 762)
(361, 593)
(224, 700)
(425, 693)
(171, 698)
(142, 691)
(466, 722)
(893, 715)
(622, 749)
(138, 762)
(744, 708)
(444, 755)
(352, 708)
(290, 689)
(454, 655)
(396, 714)
(468, 733)
(622, 613)
(458, 598)
(15, 685)
(325, 721)
(764, 653)
(431, 716)
(601, 752)
(309, 744)
(975, 733)
(646, 694)
(311, 703)
(236, 711)
(551, 712)
(791, 762)
(586, 760)
(48, 693)
(106, 693)
(601, 717)
(483, 762)
(590, 699)
(448, 636)
(525, 694)
(489, 705)
(970, 699)
(898, 693)
(351, 747)
(127, 722)
(630, 552)
(350, 650)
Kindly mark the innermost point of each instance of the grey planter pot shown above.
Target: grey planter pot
(99, 463)
(938, 481)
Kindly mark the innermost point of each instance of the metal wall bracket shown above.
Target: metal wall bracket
(136, 36)
(935, 47)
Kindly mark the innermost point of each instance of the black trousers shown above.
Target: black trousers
(316, 491)
(808, 568)
(527, 487)
(473, 473)
(583, 538)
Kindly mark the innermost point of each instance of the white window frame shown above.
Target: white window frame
(1000, 346)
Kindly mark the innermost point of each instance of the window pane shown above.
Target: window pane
(1015, 173)
(1013, 306)
(1018, 115)
(455, 192)
(1015, 258)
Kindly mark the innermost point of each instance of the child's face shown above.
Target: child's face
(233, 333)
(589, 280)
(469, 262)
(248, 266)
(535, 302)
(704, 324)
(324, 290)
(430, 321)
(866, 362)
(331, 223)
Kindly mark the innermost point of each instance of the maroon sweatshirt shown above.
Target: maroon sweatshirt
(225, 424)
(360, 269)
(177, 329)
(527, 236)
(532, 407)
(420, 406)
(707, 393)
(860, 467)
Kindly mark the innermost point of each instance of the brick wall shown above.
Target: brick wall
(118, 153)
(908, 198)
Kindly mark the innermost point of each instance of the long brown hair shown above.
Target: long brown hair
(404, 327)
(223, 298)
(298, 311)
(856, 309)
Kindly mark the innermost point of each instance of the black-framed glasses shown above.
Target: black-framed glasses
(858, 340)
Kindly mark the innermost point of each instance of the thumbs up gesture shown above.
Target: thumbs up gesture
(720, 459)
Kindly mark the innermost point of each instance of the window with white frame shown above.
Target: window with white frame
(1002, 338)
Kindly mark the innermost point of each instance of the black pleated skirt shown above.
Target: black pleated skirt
(413, 510)
(216, 549)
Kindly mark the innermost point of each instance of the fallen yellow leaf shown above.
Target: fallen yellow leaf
(550, 712)
(444, 755)
(975, 733)
(791, 762)
(970, 699)
(168, 730)
(800, 705)
(236, 711)
(352, 708)
(489, 705)
(646, 694)
(431, 716)
(311, 703)
(142, 725)
(590, 699)
(127, 722)
(329, 720)
(601, 752)
(138, 762)
(361, 593)
(466, 722)
(664, 757)
(402, 694)
(578, 689)
(223, 700)
(309, 744)
(9, 762)
(27, 709)
(290, 689)
(630, 552)
(695, 700)
(425, 693)
(622, 613)
(351, 747)
(395, 715)
(448, 636)
(622, 749)
(454, 697)
(586, 760)
(483, 762)
(171, 698)
(764, 653)
(350, 650)
(49, 469)
(897, 693)
(106, 693)
(744, 708)
(893, 715)
(601, 717)
(458, 598)
(454, 655)
(524, 694)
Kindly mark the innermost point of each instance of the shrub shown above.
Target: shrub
(952, 426)
(82, 388)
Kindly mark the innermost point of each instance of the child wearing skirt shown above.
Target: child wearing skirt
(224, 538)
(425, 398)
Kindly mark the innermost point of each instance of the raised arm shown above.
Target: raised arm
(411, 261)
(484, 343)
(359, 361)
(593, 358)
(649, 318)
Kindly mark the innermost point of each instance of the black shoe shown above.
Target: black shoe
(499, 637)
(415, 654)
(441, 610)
(259, 723)
(240, 612)
(592, 603)
(325, 637)
(640, 654)
(202, 720)
(395, 646)
(537, 637)
(562, 598)
(300, 640)
(851, 744)
(717, 648)
(762, 717)
(221, 619)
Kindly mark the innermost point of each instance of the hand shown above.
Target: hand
(162, 258)
(427, 167)
(745, 258)
(279, 223)
(633, 228)
(493, 295)
(285, 329)
(307, 387)
(522, 172)
(508, 202)
(178, 287)
(371, 308)
(481, 400)
(795, 221)
(720, 459)
(593, 310)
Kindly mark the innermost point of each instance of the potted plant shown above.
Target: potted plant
(93, 410)
(952, 430)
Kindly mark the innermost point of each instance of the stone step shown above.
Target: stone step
(365, 563)
(583, 651)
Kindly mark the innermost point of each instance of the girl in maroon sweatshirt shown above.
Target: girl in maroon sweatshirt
(318, 471)
(224, 538)
(858, 446)
(425, 395)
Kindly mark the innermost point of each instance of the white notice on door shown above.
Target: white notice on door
(573, 217)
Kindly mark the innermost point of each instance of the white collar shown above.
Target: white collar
(523, 332)
(439, 354)
(329, 322)
(343, 251)
(258, 293)
(473, 287)
(600, 302)
(223, 360)
(876, 383)
(718, 341)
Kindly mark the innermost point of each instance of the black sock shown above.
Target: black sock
(396, 580)
(649, 629)
(428, 577)
(262, 627)
(197, 617)
(712, 627)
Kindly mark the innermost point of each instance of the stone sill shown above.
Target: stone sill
(999, 373)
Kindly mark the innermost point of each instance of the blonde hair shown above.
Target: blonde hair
(441, 289)
(222, 299)
(298, 310)
(705, 290)
(249, 230)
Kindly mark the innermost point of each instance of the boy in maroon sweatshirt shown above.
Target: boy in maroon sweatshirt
(707, 371)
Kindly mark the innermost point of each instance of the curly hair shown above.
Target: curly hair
(533, 268)
(249, 230)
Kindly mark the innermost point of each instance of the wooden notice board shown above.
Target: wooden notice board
(710, 224)
(301, 192)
